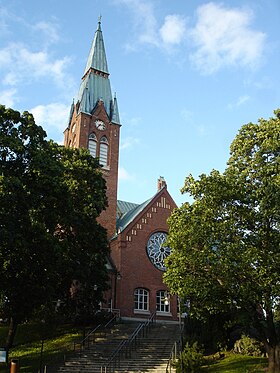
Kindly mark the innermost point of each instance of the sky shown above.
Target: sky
(187, 75)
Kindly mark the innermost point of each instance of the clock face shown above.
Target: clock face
(100, 125)
(157, 251)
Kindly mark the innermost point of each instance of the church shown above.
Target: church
(136, 232)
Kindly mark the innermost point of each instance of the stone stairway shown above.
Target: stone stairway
(150, 354)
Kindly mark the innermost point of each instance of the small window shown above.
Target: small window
(92, 144)
(141, 299)
(103, 155)
(163, 301)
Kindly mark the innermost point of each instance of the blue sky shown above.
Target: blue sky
(187, 75)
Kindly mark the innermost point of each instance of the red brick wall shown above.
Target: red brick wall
(84, 126)
(130, 257)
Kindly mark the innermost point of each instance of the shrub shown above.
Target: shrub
(191, 359)
(247, 346)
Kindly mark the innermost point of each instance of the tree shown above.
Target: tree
(226, 243)
(50, 198)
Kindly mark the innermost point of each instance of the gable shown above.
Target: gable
(140, 215)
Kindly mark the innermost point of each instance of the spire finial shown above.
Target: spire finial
(99, 18)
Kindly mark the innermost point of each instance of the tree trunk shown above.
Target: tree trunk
(274, 359)
(11, 333)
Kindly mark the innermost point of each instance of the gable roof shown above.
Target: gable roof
(129, 211)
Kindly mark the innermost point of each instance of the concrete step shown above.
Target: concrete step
(150, 355)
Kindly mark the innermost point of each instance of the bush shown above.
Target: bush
(191, 359)
(247, 346)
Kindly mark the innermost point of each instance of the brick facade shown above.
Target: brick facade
(129, 254)
(77, 135)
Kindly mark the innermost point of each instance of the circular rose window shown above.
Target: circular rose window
(157, 251)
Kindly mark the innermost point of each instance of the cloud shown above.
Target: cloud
(3, 23)
(189, 118)
(223, 37)
(124, 175)
(8, 97)
(49, 29)
(144, 21)
(52, 117)
(239, 102)
(173, 30)
(147, 29)
(18, 63)
(128, 142)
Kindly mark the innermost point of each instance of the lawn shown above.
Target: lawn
(233, 363)
(31, 352)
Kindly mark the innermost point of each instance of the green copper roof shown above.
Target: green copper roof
(131, 211)
(95, 83)
(97, 56)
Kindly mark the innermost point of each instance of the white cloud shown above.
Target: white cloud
(49, 29)
(224, 38)
(144, 21)
(3, 22)
(29, 65)
(239, 102)
(128, 142)
(173, 30)
(8, 97)
(189, 118)
(52, 117)
(147, 29)
(124, 175)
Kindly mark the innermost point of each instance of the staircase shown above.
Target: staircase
(150, 354)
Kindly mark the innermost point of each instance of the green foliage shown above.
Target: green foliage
(247, 346)
(226, 244)
(50, 198)
(191, 359)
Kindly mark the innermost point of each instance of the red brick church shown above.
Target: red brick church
(136, 232)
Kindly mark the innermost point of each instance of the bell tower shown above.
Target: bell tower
(94, 124)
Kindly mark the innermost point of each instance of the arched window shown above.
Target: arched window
(163, 301)
(141, 299)
(92, 144)
(103, 155)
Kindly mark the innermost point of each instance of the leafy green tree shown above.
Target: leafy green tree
(226, 243)
(50, 198)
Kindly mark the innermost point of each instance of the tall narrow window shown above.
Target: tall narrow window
(141, 299)
(163, 301)
(103, 155)
(92, 144)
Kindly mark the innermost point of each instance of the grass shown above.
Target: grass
(28, 346)
(234, 363)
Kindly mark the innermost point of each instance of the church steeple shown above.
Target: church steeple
(97, 57)
(95, 85)
(94, 124)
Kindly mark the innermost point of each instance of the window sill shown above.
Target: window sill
(140, 312)
(166, 314)
(106, 168)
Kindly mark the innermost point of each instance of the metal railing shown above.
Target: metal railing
(87, 341)
(125, 348)
(90, 337)
(176, 351)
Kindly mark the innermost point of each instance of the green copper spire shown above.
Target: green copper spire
(95, 83)
(97, 56)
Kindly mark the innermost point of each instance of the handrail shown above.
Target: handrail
(176, 350)
(126, 346)
(173, 356)
(82, 342)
